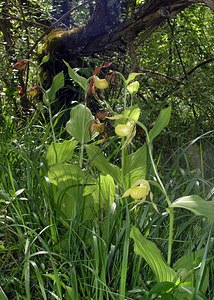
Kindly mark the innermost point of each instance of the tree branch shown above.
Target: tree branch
(198, 66)
(160, 74)
(106, 28)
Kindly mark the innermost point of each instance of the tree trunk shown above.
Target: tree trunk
(107, 28)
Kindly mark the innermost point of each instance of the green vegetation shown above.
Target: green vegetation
(115, 204)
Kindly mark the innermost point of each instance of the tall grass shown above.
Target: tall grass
(46, 256)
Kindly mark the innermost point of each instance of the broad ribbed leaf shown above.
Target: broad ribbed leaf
(185, 292)
(162, 288)
(98, 159)
(137, 159)
(62, 173)
(57, 83)
(187, 268)
(152, 255)
(161, 122)
(79, 123)
(136, 165)
(68, 187)
(104, 191)
(82, 81)
(60, 152)
(197, 205)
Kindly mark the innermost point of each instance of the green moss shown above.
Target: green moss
(56, 38)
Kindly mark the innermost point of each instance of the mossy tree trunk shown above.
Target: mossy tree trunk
(113, 26)
(115, 22)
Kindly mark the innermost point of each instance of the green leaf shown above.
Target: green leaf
(137, 159)
(187, 268)
(131, 77)
(5, 197)
(186, 292)
(39, 279)
(136, 165)
(197, 205)
(104, 193)
(134, 175)
(132, 113)
(98, 159)
(45, 59)
(2, 294)
(57, 84)
(69, 293)
(152, 255)
(60, 152)
(68, 187)
(161, 122)
(82, 81)
(78, 125)
(63, 172)
(162, 288)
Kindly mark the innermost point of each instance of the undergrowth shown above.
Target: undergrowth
(80, 223)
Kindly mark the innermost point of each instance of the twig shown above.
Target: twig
(161, 74)
(176, 45)
(198, 66)
(54, 24)
(133, 54)
(32, 23)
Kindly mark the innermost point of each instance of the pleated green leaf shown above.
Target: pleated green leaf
(161, 122)
(103, 191)
(136, 165)
(60, 152)
(187, 268)
(82, 81)
(68, 187)
(152, 255)
(197, 205)
(57, 84)
(61, 173)
(79, 123)
(98, 159)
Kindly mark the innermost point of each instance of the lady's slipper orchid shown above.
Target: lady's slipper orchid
(33, 91)
(133, 87)
(139, 190)
(21, 65)
(123, 130)
(96, 82)
(100, 84)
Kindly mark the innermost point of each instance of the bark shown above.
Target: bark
(5, 28)
(107, 28)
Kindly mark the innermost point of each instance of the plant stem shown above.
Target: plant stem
(47, 101)
(203, 262)
(83, 136)
(51, 121)
(171, 227)
(170, 209)
(123, 164)
(125, 97)
(124, 267)
(125, 93)
(81, 153)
